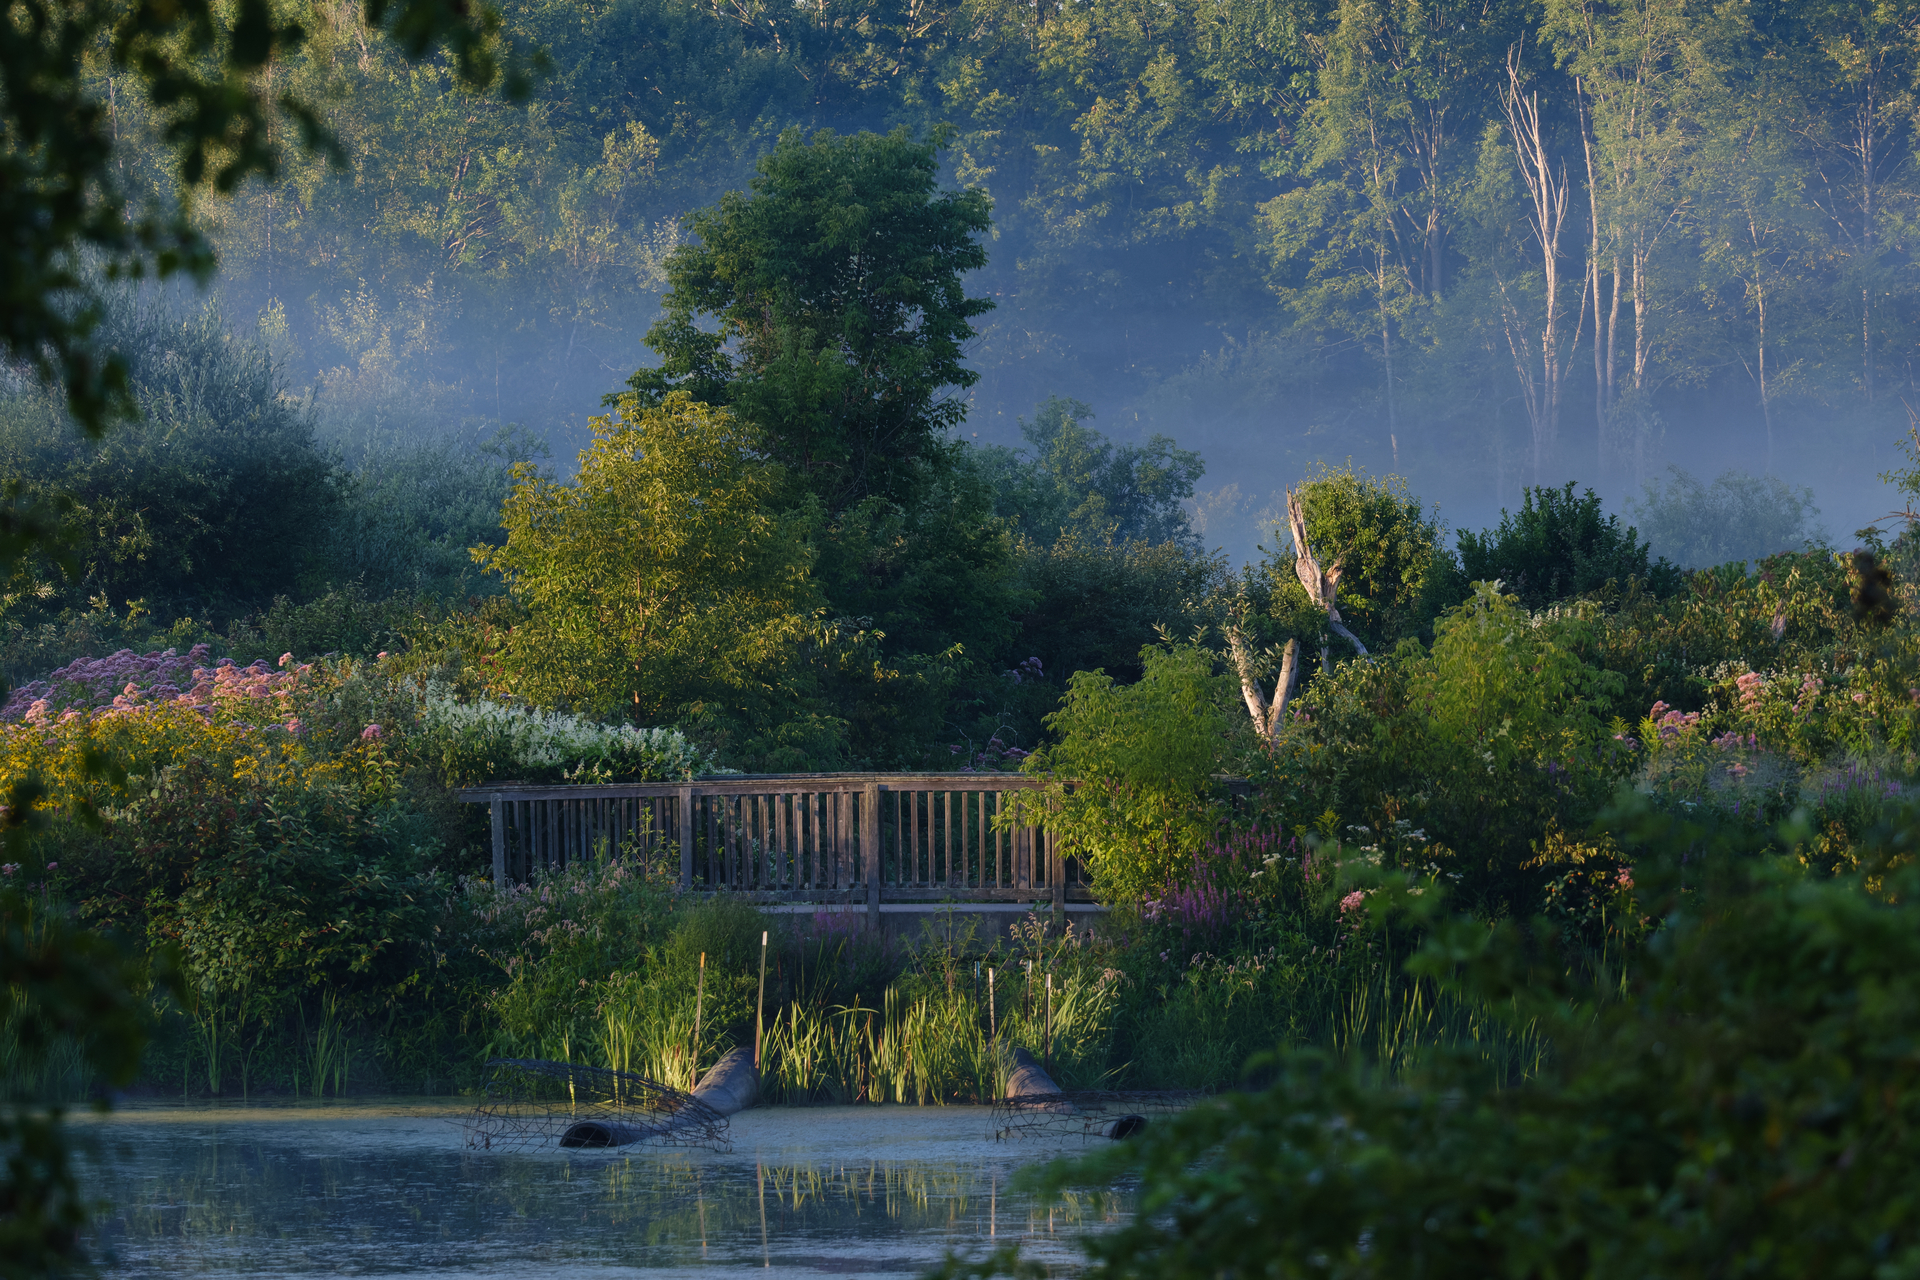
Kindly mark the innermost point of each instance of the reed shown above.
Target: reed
(1388, 1020)
(327, 1051)
(929, 1044)
(59, 1074)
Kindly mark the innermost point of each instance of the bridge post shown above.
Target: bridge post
(686, 838)
(870, 850)
(499, 843)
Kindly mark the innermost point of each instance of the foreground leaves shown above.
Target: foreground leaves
(1746, 1104)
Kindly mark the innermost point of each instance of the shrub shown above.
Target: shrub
(1131, 779)
(1475, 748)
(481, 740)
(343, 620)
(1090, 605)
(413, 508)
(1738, 517)
(209, 504)
(1557, 546)
(1745, 1102)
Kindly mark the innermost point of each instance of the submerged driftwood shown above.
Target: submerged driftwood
(1035, 1106)
(533, 1102)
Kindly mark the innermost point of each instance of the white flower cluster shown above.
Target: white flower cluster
(535, 740)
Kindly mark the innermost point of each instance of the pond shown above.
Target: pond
(389, 1188)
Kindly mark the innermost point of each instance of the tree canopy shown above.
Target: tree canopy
(1072, 479)
(836, 290)
(659, 583)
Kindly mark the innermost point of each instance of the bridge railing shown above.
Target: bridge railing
(850, 838)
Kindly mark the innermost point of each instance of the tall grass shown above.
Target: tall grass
(327, 1053)
(59, 1075)
(922, 1042)
(1388, 1021)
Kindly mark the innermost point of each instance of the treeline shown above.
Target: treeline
(775, 540)
(1516, 241)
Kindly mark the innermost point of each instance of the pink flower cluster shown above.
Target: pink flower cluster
(1751, 687)
(1672, 723)
(89, 684)
(1810, 687)
(127, 681)
(1730, 739)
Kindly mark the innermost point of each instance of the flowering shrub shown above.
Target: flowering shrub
(1201, 910)
(479, 740)
(127, 680)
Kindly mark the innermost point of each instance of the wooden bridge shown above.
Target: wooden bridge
(853, 839)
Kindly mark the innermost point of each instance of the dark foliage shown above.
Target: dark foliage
(1557, 546)
(836, 287)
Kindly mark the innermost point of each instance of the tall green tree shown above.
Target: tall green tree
(1363, 239)
(836, 293)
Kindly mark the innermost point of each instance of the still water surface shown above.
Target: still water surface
(390, 1189)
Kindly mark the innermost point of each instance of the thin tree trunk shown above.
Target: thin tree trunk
(1766, 400)
(1548, 190)
(1386, 355)
(1267, 718)
(1866, 340)
(1602, 355)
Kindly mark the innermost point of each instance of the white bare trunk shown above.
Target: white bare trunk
(1548, 189)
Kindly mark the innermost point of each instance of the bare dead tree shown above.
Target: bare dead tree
(1542, 368)
(1267, 717)
(1323, 585)
(1323, 588)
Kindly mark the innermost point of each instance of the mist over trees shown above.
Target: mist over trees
(1486, 245)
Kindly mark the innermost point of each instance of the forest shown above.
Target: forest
(1535, 896)
(1483, 245)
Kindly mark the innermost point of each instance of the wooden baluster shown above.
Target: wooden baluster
(841, 837)
(980, 844)
(716, 873)
(686, 837)
(497, 812)
(916, 841)
(946, 822)
(999, 806)
(870, 851)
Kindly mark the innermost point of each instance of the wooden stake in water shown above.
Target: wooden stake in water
(699, 997)
(760, 1004)
(993, 1023)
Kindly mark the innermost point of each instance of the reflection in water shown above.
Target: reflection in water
(839, 1191)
